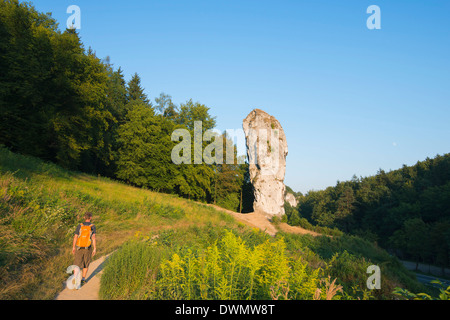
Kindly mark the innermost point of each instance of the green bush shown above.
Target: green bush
(346, 258)
(444, 293)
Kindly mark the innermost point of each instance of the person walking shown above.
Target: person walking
(84, 245)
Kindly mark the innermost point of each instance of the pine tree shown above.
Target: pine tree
(27, 76)
(135, 90)
(116, 94)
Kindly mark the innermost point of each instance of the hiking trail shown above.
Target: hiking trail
(90, 290)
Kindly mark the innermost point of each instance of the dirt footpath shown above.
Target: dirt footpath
(90, 290)
(261, 221)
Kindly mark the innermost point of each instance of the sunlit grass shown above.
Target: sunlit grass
(41, 204)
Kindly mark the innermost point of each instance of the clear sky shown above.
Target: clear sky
(351, 100)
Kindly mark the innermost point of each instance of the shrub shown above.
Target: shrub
(230, 269)
(444, 293)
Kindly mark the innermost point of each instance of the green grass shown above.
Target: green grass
(208, 263)
(184, 256)
(41, 204)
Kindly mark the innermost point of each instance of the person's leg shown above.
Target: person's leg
(86, 261)
(78, 259)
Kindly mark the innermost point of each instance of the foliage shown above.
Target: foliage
(41, 203)
(216, 263)
(224, 267)
(135, 92)
(191, 112)
(347, 258)
(405, 210)
(144, 152)
(444, 293)
(61, 103)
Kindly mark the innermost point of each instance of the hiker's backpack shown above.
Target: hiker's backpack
(84, 238)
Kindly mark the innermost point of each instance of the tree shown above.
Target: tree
(439, 243)
(191, 112)
(135, 90)
(116, 94)
(166, 107)
(80, 125)
(52, 100)
(412, 239)
(195, 181)
(321, 213)
(345, 207)
(228, 179)
(145, 149)
(247, 192)
(27, 77)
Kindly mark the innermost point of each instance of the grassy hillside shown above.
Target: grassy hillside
(41, 204)
(167, 247)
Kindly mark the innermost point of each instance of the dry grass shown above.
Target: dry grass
(331, 289)
(284, 227)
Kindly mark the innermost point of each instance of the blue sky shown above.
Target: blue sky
(351, 100)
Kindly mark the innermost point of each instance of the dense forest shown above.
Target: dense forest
(406, 211)
(61, 103)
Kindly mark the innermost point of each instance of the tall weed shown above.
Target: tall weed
(231, 269)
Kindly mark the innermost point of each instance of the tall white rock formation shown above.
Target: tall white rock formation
(266, 150)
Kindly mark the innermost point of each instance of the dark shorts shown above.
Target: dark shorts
(83, 257)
